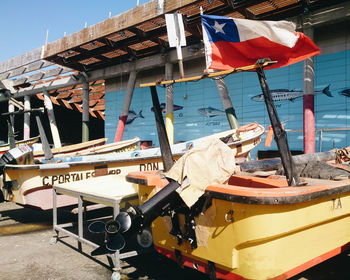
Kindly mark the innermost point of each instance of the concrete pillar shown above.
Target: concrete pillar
(52, 120)
(308, 98)
(126, 106)
(86, 115)
(227, 103)
(26, 126)
(169, 110)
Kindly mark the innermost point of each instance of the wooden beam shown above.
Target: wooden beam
(330, 15)
(99, 107)
(73, 106)
(211, 75)
(25, 69)
(41, 75)
(147, 63)
(21, 60)
(123, 45)
(119, 22)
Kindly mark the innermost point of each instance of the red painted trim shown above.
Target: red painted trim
(37, 189)
(313, 262)
(309, 124)
(201, 267)
(120, 129)
(223, 274)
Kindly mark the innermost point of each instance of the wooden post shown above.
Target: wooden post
(11, 125)
(169, 93)
(227, 103)
(26, 126)
(46, 148)
(167, 157)
(52, 120)
(85, 117)
(308, 97)
(280, 133)
(126, 106)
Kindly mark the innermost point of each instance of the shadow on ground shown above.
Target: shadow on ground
(33, 250)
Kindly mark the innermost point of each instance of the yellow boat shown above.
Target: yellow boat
(256, 228)
(230, 224)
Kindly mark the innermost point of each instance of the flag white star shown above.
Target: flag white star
(218, 27)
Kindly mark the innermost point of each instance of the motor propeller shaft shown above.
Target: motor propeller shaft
(136, 219)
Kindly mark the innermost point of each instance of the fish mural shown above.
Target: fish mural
(162, 106)
(345, 92)
(286, 94)
(132, 116)
(210, 112)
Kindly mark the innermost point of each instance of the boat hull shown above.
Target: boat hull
(35, 184)
(31, 185)
(268, 232)
(73, 148)
(115, 147)
(5, 147)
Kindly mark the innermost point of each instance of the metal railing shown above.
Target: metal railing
(321, 130)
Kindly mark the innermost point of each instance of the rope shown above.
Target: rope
(343, 155)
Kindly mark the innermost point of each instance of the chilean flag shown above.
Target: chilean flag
(231, 42)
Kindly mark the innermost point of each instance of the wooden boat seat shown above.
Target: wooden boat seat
(257, 182)
(255, 190)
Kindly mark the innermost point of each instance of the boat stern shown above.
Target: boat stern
(256, 228)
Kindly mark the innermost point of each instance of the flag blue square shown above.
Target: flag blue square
(220, 28)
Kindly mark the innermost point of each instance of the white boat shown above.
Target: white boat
(31, 184)
(30, 141)
(73, 148)
(115, 147)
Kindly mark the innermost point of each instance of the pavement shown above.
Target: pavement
(27, 253)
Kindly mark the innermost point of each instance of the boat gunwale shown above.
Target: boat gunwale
(30, 141)
(73, 147)
(278, 200)
(152, 179)
(68, 164)
(131, 159)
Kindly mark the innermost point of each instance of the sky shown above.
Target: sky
(24, 23)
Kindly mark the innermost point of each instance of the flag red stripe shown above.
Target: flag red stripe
(227, 55)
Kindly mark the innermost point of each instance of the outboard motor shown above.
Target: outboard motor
(166, 202)
(136, 220)
(19, 155)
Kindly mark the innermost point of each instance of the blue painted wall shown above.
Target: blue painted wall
(330, 112)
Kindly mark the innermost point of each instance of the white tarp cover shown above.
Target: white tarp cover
(212, 162)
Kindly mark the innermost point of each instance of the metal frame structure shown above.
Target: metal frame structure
(137, 40)
(113, 259)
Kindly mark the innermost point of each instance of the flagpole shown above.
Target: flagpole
(224, 95)
(279, 132)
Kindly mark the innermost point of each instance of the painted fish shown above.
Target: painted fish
(162, 106)
(132, 116)
(210, 112)
(345, 92)
(286, 94)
